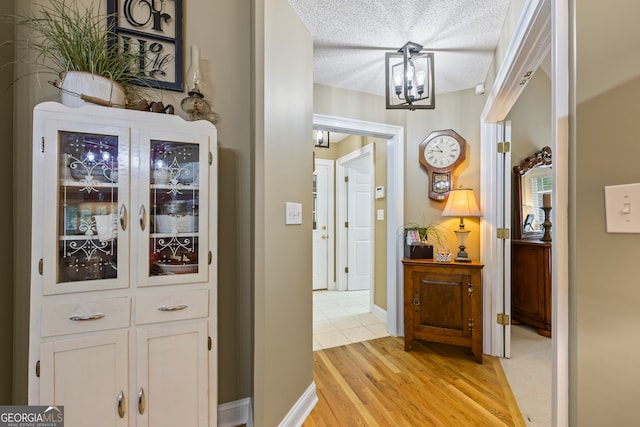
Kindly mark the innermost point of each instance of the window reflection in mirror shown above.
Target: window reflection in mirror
(533, 180)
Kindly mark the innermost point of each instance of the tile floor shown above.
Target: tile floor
(343, 317)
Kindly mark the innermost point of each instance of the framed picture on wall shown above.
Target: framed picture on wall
(153, 29)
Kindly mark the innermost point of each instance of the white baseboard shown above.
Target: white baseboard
(301, 410)
(380, 313)
(240, 412)
(235, 413)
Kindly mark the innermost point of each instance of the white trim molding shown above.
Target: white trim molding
(236, 413)
(301, 410)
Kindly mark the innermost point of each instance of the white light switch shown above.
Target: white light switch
(293, 213)
(622, 208)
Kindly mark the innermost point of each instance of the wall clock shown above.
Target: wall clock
(440, 153)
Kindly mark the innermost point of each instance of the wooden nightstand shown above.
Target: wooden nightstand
(443, 303)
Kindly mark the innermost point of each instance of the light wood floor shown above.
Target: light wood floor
(377, 383)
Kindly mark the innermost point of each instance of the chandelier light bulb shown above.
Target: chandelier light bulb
(420, 79)
(397, 81)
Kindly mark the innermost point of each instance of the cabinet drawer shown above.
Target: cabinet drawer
(168, 306)
(85, 316)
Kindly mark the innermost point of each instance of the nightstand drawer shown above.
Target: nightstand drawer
(168, 306)
(85, 316)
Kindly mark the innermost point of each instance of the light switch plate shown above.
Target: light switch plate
(293, 213)
(380, 214)
(622, 208)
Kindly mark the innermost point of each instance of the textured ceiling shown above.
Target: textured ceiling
(351, 37)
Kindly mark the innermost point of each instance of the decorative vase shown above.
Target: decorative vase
(80, 86)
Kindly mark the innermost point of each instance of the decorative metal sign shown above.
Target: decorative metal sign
(152, 28)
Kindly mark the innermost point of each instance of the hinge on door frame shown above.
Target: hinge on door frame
(346, 270)
(346, 224)
(503, 233)
(346, 178)
(42, 144)
(503, 319)
(504, 147)
(210, 158)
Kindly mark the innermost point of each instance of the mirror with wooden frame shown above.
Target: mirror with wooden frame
(533, 179)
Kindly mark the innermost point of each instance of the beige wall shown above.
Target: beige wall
(344, 147)
(283, 173)
(6, 213)
(459, 111)
(604, 324)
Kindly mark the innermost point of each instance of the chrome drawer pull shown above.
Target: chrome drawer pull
(174, 308)
(77, 318)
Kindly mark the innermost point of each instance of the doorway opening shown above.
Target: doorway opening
(393, 213)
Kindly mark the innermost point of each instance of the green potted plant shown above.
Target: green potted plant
(72, 41)
(420, 239)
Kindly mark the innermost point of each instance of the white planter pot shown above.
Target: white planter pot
(79, 84)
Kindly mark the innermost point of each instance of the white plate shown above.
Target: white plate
(178, 268)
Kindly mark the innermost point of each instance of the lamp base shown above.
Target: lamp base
(462, 256)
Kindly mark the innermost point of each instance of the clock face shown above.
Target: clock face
(442, 151)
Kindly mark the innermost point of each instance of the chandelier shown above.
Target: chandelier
(409, 78)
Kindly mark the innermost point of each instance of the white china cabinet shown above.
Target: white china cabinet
(123, 289)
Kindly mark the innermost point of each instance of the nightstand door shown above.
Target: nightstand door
(443, 304)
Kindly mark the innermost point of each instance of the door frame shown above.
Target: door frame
(395, 203)
(331, 283)
(540, 20)
(342, 236)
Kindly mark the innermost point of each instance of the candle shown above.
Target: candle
(546, 200)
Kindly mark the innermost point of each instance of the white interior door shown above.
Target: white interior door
(322, 218)
(360, 223)
(503, 190)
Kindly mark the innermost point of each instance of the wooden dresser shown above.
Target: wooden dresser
(531, 284)
(443, 303)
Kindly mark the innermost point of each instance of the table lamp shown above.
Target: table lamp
(461, 203)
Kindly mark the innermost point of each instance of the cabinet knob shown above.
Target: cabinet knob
(123, 217)
(141, 401)
(142, 215)
(121, 404)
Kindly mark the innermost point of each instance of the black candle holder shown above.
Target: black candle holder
(546, 225)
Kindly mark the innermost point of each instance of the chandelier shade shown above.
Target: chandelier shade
(409, 78)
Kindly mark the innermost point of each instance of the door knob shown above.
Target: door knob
(324, 236)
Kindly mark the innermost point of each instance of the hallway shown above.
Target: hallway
(343, 317)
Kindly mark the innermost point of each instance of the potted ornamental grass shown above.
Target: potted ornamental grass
(420, 240)
(72, 41)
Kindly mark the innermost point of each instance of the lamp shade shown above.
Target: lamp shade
(461, 203)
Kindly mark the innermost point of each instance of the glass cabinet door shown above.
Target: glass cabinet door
(91, 248)
(176, 243)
